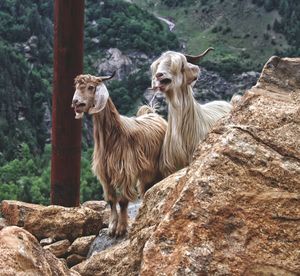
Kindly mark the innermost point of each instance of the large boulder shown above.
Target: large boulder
(116, 61)
(21, 254)
(53, 221)
(235, 211)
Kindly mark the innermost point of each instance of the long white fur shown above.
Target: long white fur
(188, 121)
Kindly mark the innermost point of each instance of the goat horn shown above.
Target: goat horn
(104, 78)
(195, 59)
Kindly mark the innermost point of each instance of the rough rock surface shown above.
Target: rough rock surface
(124, 65)
(3, 223)
(21, 254)
(101, 207)
(115, 60)
(96, 205)
(103, 241)
(59, 248)
(74, 259)
(235, 211)
(81, 245)
(46, 241)
(125, 257)
(54, 222)
(16, 211)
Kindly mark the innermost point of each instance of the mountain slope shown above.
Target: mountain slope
(244, 33)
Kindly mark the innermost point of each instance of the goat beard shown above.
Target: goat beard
(78, 115)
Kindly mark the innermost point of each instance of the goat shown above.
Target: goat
(126, 150)
(188, 121)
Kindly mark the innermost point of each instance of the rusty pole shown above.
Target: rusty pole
(66, 131)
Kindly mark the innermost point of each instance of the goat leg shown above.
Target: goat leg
(113, 219)
(122, 223)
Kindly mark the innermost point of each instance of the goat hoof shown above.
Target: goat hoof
(112, 232)
(121, 231)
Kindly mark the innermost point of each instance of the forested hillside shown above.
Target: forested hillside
(26, 41)
(26, 32)
(244, 33)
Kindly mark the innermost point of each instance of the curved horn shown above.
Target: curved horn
(104, 78)
(195, 59)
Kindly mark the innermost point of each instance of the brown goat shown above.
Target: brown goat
(126, 150)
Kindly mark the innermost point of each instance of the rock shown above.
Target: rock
(133, 208)
(46, 241)
(64, 261)
(81, 245)
(21, 254)
(96, 205)
(93, 267)
(15, 211)
(103, 241)
(115, 60)
(235, 211)
(54, 222)
(74, 259)
(100, 206)
(123, 64)
(3, 223)
(59, 248)
(121, 258)
(105, 217)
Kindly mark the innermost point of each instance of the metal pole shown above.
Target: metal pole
(66, 131)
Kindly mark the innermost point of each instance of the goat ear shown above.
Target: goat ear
(100, 99)
(191, 72)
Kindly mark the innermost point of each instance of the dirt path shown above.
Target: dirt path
(170, 24)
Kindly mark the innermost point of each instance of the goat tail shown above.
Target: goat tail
(145, 109)
(149, 108)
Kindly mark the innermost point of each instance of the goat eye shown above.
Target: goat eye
(91, 88)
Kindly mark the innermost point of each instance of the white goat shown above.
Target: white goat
(188, 121)
(126, 150)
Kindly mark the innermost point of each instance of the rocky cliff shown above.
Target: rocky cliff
(233, 211)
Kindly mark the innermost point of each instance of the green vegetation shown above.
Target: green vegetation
(119, 25)
(126, 94)
(27, 178)
(26, 41)
(244, 33)
(289, 25)
(26, 35)
(25, 79)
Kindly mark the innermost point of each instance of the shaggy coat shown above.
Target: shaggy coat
(188, 121)
(126, 150)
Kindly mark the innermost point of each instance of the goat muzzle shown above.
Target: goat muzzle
(165, 81)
